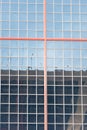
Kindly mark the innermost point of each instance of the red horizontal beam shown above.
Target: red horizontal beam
(21, 38)
(47, 39)
(68, 39)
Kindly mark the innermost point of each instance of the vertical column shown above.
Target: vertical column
(45, 70)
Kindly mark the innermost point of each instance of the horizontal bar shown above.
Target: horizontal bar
(22, 38)
(46, 39)
(68, 39)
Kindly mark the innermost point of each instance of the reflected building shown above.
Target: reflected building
(43, 78)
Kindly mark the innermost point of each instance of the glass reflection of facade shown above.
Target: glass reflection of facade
(22, 65)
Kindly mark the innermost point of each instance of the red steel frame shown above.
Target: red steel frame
(45, 39)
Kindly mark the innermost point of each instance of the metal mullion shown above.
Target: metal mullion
(27, 64)
(45, 71)
(36, 64)
(9, 75)
(82, 112)
(0, 62)
(63, 73)
(54, 70)
(18, 67)
(72, 118)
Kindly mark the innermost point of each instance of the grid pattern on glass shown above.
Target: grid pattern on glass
(62, 83)
(67, 18)
(22, 85)
(66, 85)
(21, 17)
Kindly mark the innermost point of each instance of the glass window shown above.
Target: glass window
(4, 107)
(50, 126)
(67, 17)
(60, 127)
(5, 62)
(13, 89)
(67, 63)
(4, 99)
(77, 109)
(68, 99)
(40, 89)
(68, 90)
(22, 89)
(13, 126)
(75, 8)
(14, 25)
(59, 99)
(14, 7)
(4, 126)
(40, 80)
(84, 99)
(4, 79)
(50, 108)
(22, 61)
(67, 53)
(59, 108)
(50, 89)
(22, 7)
(13, 108)
(40, 109)
(50, 99)
(40, 127)
(32, 118)
(76, 90)
(4, 118)
(84, 80)
(58, 26)
(83, 8)
(32, 126)
(32, 108)
(58, 17)
(59, 80)
(40, 118)
(13, 98)
(31, 98)
(59, 118)
(23, 126)
(76, 80)
(14, 52)
(4, 52)
(22, 108)
(13, 61)
(13, 80)
(50, 118)
(68, 118)
(77, 118)
(50, 80)
(77, 99)
(84, 89)
(13, 118)
(68, 108)
(4, 89)
(59, 90)
(22, 80)
(40, 99)
(5, 7)
(22, 98)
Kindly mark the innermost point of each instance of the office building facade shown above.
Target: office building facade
(43, 65)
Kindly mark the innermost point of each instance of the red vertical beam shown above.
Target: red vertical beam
(45, 71)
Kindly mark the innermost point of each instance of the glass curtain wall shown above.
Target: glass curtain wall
(22, 65)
